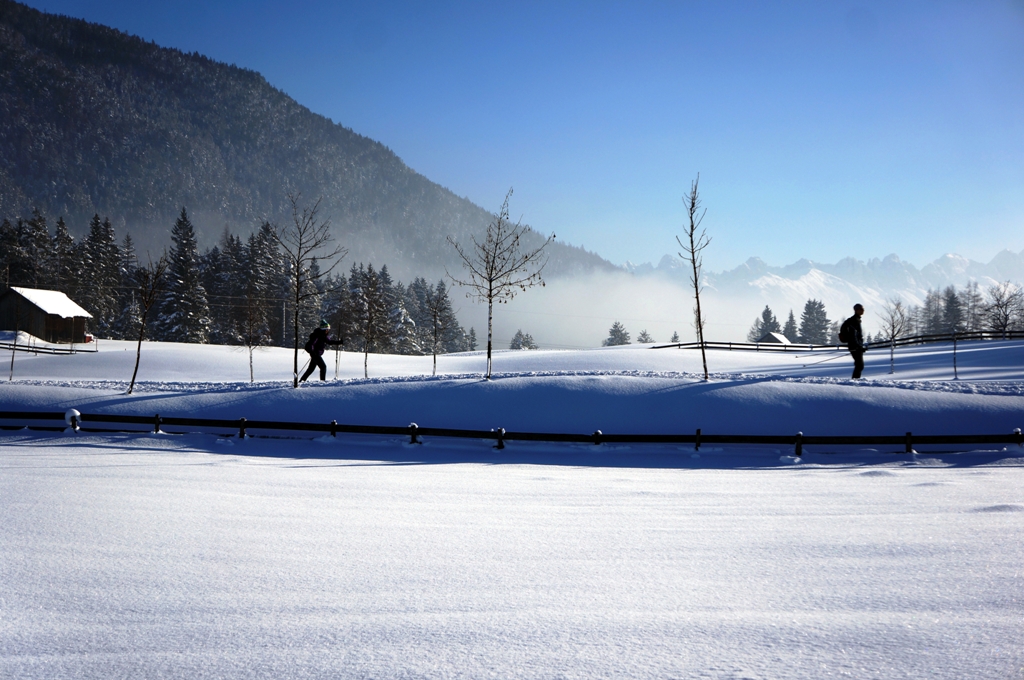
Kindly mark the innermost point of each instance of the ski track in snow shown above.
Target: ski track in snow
(992, 388)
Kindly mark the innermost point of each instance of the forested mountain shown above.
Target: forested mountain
(93, 120)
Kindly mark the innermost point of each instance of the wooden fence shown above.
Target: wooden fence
(804, 347)
(104, 422)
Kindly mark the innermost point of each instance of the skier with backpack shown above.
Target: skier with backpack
(318, 341)
(850, 333)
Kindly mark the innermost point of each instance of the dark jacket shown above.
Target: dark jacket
(318, 339)
(855, 335)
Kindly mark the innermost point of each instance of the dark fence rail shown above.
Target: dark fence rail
(804, 347)
(48, 349)
(242, 426)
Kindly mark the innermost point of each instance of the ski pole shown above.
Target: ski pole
(824, 360)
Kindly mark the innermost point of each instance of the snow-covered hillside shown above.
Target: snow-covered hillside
(160, 556)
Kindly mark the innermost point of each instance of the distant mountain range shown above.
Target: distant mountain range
(93, 120)
(842, 284)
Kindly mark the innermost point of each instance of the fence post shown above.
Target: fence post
(156, 424)
(696, 442)
(799, 444)
(334, 428)
(910, 444)
(501, 438)
(74, 423)
(241, 428)
(1020, 440)
(597, 437)
(413, 427)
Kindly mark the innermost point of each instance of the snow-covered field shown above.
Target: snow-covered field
(125, 556)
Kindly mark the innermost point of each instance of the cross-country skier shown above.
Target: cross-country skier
(850, 333)
(318, 341)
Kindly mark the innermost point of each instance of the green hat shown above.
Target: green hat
(324, 324)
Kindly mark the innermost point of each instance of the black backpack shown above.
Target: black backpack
(845, 334)
(309, 344)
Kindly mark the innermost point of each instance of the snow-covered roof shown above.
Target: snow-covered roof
(776, 338)
(52, 302)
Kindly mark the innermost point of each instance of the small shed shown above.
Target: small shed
(775, 338)
(47, 314)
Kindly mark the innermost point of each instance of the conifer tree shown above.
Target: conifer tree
(952, 311)
(9, 252)
(64, 261)
(34, 239)
(814, 323)
(974, 307)
(265, 281)
(369, 312)
(184, 312)
(790, 330)
(126, 325)
(445, 334)
(644, 337)
(101, 274)
(617, 335)
(763, 325)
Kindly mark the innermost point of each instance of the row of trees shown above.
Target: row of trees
(618, 335)
(997, 309)
(240, 292)
(815, 327)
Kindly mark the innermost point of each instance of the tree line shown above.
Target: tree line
(236, 293)
(996, 309)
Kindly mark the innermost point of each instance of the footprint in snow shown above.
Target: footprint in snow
(1006, 507)
(878, 473)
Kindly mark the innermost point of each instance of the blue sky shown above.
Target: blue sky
(820, 129)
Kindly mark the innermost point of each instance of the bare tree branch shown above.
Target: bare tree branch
(693, 246)
(303, 241)
(150, 279)
(499, 268)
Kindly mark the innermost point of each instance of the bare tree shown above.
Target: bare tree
(895, 323)
(693, 245)
(255, 328)
(499, 268)
(1005, 301)
(149, 280)
(306, 239)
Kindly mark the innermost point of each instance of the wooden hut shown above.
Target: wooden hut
(46, 314)
(774, 338)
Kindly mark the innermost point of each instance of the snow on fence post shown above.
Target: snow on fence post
(334, 428)
(501, 438)
(799, 444)
(597, 437)
(1020, 440)
(413, 427)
